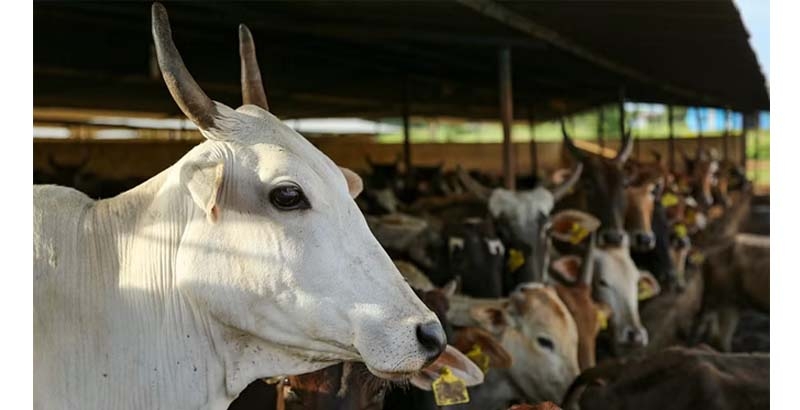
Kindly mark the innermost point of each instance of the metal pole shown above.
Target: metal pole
(601, 119)
(699, 132)
(671, 139)
(506, 115)
(745, 125)
(621, 114)
(725, 134)
(533, 148)
(406, 129)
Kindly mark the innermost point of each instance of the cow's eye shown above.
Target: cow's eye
(602, 282)
(288, 198)
(545, 343)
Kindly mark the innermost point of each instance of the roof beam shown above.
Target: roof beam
(510, 18)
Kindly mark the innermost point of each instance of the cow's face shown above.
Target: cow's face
(615, 283)
(639, 215)
(476, 255)
(525, 213)
(540, 334)
(603, 188)
(279, 250)
(275, 250)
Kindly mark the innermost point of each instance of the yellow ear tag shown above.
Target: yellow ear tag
(697, 257)
(448, 389)
(479, 358)
(669, 199)
(645, 292)
(577, 233)
(602, 319)
(515, 259)
(681, 231)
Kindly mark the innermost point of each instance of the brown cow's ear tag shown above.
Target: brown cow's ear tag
(448, 389)
(669, 199)
(480, 358)
(681, 231)
(697, 258)
(515, 259)
(602, 319)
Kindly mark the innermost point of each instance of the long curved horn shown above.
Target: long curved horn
(626, 149)
(472, 185)
(194, 103)
(576, 152)
(561, 190)
(252, 86)
(587, 269)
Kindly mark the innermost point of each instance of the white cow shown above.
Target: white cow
(248, 258)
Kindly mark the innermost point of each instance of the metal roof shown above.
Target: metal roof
(360, 58)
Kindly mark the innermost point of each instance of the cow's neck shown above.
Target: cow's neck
(173, 342)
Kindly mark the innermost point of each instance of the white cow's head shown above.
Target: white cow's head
(275, 248)
(620, 284)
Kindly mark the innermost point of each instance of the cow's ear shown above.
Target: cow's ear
(648, 286)
(354, 183)
(567, 269)
(204, 181)
(573, 226)
(494, 319)
(469, 338)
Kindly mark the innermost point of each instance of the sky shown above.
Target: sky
(755, 14)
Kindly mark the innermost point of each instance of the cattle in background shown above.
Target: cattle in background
(601, 190)
(674, 379)
(619, 284)
(736, 273)
(476, 256)
(180, 292)
(539, 333)
(573, 276)
(523, 216)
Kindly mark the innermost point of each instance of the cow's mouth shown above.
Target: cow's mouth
(459, 365)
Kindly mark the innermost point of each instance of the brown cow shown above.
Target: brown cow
(675, 379)
(736, 274)
(574, 286)
(601, 190)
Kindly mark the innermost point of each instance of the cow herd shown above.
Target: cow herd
(255, 273)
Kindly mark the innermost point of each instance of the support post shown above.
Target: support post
(726, 134)
(671, 139)
(601, 119)
(699, 132)
(406, 129)
(533, 148)
(621, 109)
(745, 125)
(507, 116)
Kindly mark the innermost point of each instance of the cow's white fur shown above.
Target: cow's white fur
(181, 291)
(615, 268)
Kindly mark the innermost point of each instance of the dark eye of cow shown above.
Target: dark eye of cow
(289, 198)
(602, 282)
(545, 343)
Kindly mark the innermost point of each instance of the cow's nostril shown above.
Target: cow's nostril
(431, 336)
(613, 238)
(645, 240)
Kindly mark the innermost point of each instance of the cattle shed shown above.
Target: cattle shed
(471, 59)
